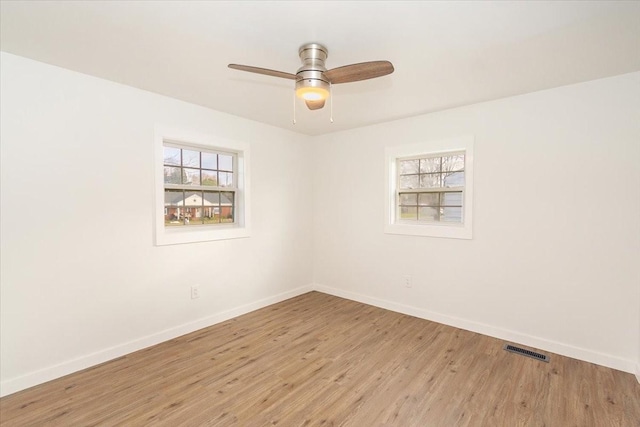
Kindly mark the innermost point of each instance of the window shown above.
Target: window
(199, 186)
(430, 188)
(202, 190)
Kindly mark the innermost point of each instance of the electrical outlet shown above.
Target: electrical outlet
(407, 281)
(195, 291)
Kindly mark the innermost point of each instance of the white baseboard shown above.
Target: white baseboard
(638, 372)
(492, 331)
(52, 372)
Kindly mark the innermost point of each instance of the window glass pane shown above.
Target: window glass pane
(211, 211)
(453, 163)
(430, 165)
(451, 215)
(409, 181)
(191, 158)
(192, 198)
(227, 198)
(430, 180)
(428, 199)
(191, 176)
(209, 178)
(455, 179)
(209, 161)
(210, 215)
(225, 163)
(226, 206)
(173, 198)
(172, 175)
(211, 198)
(171, 156)
(226, 179)
(409, 199)
(173, 207)
(409, 166)
(428, 214)
(409, 212)
(226, 214)
(193, 216)
(452, 199)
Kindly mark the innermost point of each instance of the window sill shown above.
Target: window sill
(180, 235)
(430, 230)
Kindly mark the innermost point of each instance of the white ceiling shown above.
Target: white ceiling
(446, 54)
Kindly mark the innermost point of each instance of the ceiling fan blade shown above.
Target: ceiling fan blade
(315, 105)
(357, 72)
(264, 71)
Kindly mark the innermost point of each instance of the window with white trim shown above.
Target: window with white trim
(430, 188)
(202, 188)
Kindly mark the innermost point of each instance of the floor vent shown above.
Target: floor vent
(527, 353)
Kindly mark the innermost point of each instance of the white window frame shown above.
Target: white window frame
(393, 225)
(240, 228)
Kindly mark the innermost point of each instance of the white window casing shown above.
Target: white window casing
(185, 139)
(394, 224)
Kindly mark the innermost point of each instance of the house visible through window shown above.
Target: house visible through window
(431, 188)
(199, 186)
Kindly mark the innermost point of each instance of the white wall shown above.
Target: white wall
(554, 262)
(81, 280)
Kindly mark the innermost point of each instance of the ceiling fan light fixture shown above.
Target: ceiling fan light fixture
(311, 93)
(311, 87)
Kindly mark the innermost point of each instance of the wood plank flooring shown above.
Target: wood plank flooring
(319, 360)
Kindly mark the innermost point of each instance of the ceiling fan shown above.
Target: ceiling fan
(313, 80)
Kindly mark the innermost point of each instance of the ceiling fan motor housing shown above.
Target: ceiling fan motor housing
(311, 74)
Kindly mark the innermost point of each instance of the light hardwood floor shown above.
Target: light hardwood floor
(319, 360)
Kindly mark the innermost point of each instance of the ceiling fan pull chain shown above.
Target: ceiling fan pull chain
(294, 107)
(331, 102)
